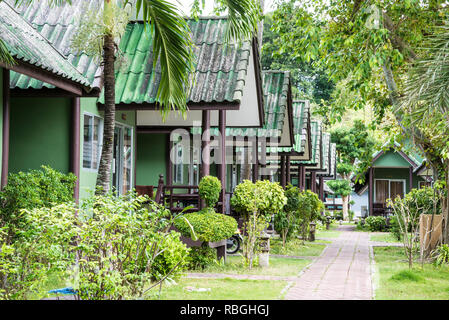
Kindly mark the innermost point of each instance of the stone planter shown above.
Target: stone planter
(312, 229)
(264, 256)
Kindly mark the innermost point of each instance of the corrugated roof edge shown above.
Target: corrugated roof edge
(84, 81)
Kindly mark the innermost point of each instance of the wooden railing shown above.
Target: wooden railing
(177, 197)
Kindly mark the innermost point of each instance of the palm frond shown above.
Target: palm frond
(426, 89)
(5, 56)
(172, 48)
(244, 16)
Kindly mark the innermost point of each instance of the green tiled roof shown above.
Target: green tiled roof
(300, 117)
(26, 44)
(275, 89)
(220, 69)
(325, 147)
(316, 133)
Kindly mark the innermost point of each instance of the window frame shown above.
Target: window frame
(92, 117)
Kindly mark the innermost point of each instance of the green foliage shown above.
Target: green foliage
(441, 255)
(208, 226)
(201, 257)
(309, 209)
(209, 190)
(375, 223)
(34, 189)
(340, 187)
(173, 255)
(308, 81)
(264, 197)
(345, 168)
(41, 245)
(119, 242)
(421, 201)
(394, 227)
(258, 202)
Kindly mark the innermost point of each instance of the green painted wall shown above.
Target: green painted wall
(151, 158)
(39, 134)
(391, 159)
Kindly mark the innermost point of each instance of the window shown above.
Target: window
(178, 171)
(92, 141)
(388, 189)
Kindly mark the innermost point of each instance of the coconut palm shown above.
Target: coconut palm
(172, 50)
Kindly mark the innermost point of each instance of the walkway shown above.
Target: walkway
(343, 271)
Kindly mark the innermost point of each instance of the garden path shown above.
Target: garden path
(342, 272)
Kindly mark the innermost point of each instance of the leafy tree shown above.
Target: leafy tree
(369, 45)
(308, 81)
(352, 144)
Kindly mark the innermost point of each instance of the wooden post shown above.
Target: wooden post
(205, 146)
(256, 160)
(282, 178)
(321, 188)
(222, 165)
(75, 152)
(313, 181)
(287, 166)
(410, 179)
(6, 123)
(303, 178)
(370, 190)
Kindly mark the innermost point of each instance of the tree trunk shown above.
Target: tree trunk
(104, 170)
(345, 205)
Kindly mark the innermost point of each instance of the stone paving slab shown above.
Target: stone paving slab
(342, 272)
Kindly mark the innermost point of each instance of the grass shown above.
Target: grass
(395, 281)
(331, 233)
(383, 237)
(277, 267)
(224, 289)
(295, 247)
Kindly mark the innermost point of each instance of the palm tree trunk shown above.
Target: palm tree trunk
(104, 170)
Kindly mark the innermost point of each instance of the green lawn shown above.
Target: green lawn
(295, 247)
(383, 237)
(394, 280)
(224, 289)
(277, 267)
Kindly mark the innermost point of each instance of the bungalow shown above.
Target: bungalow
(226, 91)
(393, 172)
(45, 130)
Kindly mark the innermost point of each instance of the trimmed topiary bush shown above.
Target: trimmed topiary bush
(209, 190)
(207, 225)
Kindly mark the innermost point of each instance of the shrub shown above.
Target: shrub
(394, 227)
(120, 241)
(441, 255)
(173, 254)
(201, 257)
(34, 189)
(309, 209)
(375, 223)
(209, 190)
(262, 197)
(43, 244)
(208, 226)
(257, 202)
(416, 202)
